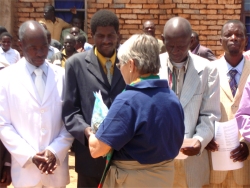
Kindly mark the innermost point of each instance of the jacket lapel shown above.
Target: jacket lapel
(190, 84)
(26, 80)
(95, 68)
(116, 76)
(51, 81)
(243, 80)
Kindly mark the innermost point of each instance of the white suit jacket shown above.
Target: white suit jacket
(200, 99)
(28, 126)
(229, 107)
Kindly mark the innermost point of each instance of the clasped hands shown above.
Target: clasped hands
(45, 161)
(238, 154)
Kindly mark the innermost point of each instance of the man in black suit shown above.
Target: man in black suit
(87, 72)
(200, 50)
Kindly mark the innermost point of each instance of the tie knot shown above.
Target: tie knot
(233, 73)
(38, 72)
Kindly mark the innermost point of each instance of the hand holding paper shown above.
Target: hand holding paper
(240, 153)
(230, 152)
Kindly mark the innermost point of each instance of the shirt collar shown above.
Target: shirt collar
(239, 67)
(31, 67)
(2, 52)
(170, 65)
(103, 59)
(152, 83)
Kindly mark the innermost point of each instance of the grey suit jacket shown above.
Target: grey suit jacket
(4, 156)
(85, 75)
(200, 99)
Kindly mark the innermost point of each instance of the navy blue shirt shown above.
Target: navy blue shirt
(145, 123)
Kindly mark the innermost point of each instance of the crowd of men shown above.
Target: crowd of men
(46, 98)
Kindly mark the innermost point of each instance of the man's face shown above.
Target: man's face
(76, 23)
(177, 47)
(35, 47)
(233, 39)
(69, 44)
(105, 39)
(6, 43)
(48, 14)
(149, 28)
(74, 31)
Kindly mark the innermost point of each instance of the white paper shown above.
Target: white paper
(227, 136)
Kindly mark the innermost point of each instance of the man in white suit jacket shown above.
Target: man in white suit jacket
(196, 84)
(31, 127)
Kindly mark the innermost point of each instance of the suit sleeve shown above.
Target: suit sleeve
(72, 114)
(209, 109)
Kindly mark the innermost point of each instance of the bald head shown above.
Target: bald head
(30, 27)
(177, 38)
(149, 28)
(34, 43)
(74, 31)
(177, 26)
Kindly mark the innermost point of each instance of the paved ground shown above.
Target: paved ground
(73, 175)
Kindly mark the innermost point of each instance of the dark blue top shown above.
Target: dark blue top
(145, 123)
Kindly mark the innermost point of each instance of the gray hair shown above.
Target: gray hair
(144, 50)
(31, 24)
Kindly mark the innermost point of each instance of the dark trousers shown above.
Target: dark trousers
(87, 182)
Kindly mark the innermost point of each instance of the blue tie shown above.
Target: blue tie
(232, 81)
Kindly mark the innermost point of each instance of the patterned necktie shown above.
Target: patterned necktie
(39, 83)
(108, 67)
(232, 81)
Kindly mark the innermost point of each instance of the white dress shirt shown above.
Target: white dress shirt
(52, 51)
(10, 57)
(239, 69)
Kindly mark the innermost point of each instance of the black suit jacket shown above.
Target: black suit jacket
(4, 156)
(85, 75)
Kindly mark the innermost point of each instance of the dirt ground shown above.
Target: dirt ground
(72, 173)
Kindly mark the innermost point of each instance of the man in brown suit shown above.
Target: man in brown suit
(233, 40)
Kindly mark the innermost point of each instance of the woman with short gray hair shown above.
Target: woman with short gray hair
(145, 123)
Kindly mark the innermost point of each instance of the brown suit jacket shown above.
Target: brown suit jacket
(229, 106)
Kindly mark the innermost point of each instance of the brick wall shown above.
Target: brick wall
(205, 16)
(27, 10)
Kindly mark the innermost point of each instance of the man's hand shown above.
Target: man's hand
(5, 177)
(240, 153)
(45, 162)
(194, 150)
(212, 146)
(88, 132)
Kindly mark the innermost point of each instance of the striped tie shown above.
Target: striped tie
(232, 81)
